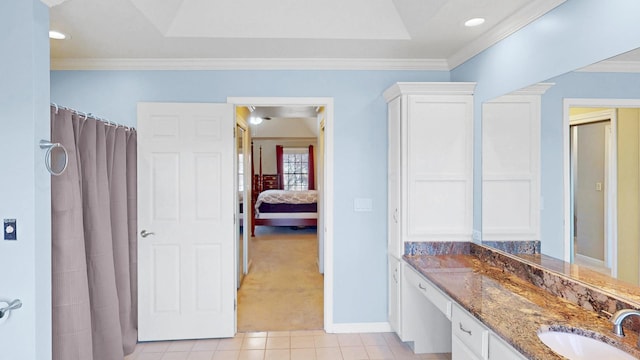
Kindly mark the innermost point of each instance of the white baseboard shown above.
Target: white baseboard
(347, 328)
(589, 261)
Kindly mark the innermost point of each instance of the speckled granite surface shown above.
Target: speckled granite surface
(512, 307)
(582, 286)
(437, 247)
(515, 247)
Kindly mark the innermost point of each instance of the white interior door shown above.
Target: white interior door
(186, 259)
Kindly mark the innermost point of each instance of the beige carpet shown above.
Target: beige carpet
(283, 290)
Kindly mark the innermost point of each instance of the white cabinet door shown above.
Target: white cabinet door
(459, 351)
(439, 168)
(185, 188)
(394, 295)
(511, 166)
(395, 243)
(499, 350)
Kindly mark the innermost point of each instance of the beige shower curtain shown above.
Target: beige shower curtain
(94, 240)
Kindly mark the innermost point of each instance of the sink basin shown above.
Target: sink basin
(578, 347)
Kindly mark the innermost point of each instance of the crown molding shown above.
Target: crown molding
(520, 19)
(535, 89)
(249, 64)
(429, 88)
(613, 66)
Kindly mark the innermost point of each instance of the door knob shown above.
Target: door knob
(145, 233)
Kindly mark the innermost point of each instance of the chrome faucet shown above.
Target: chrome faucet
(619, 316)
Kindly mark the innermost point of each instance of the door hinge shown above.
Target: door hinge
(235, 304)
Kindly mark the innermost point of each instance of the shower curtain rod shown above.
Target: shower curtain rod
(90, 115)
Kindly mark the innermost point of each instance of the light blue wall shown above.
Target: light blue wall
(570, 85)
(360, 145)
(575, 34)
(25, 264)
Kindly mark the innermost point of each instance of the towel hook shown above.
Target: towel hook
(58, 165)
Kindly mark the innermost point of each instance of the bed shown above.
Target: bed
(276, 207)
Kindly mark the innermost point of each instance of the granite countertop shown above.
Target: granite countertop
(511, 307)
(615, 287)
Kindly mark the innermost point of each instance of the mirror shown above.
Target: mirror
(577, 109)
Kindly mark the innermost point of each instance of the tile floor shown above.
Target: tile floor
(287, 345)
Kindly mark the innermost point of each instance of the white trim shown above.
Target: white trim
(613, 66)
(328, 183)
(429, 88)
(535, 89)
(350, 328)
(591, 117)
(611, 156)
(248, 64)
(590, 262)
(517, 21)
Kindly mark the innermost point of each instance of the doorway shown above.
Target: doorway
(267, 255)
(623, 189)
(591, 172)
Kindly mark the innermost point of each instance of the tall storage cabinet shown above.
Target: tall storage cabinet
(430, 172)
(511, 165)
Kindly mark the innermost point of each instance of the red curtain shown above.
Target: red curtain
(279, 167)
(312, 173)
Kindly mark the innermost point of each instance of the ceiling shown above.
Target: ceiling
(421, 34)
(284, 121)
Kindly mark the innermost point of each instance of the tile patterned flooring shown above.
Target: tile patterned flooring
(284, 345)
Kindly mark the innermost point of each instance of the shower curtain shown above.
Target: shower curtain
(94, 240)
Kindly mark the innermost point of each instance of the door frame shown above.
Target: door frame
(241, 123)
(594, 103)
(327, 180)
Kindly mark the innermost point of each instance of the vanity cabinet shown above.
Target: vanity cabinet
(437, 324)
(470, 337)
(499, 350)
(394, 295)
(424, 322)
(430, 174)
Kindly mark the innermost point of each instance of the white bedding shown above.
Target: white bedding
(286, 197)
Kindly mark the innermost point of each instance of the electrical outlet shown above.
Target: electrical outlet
(10, 229)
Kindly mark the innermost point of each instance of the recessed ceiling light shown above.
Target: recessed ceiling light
(255, 120)
(56, 35)
(474, 22)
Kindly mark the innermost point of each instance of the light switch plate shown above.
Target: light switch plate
(362, 204)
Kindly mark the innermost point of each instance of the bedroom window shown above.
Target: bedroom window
(295, 168)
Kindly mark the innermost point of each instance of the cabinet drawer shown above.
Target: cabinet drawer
(499, 350)
(425, 287)
(470, 331)
(459, 351)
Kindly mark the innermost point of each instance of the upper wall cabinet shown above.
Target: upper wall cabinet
(430, 164)
(511, 165)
